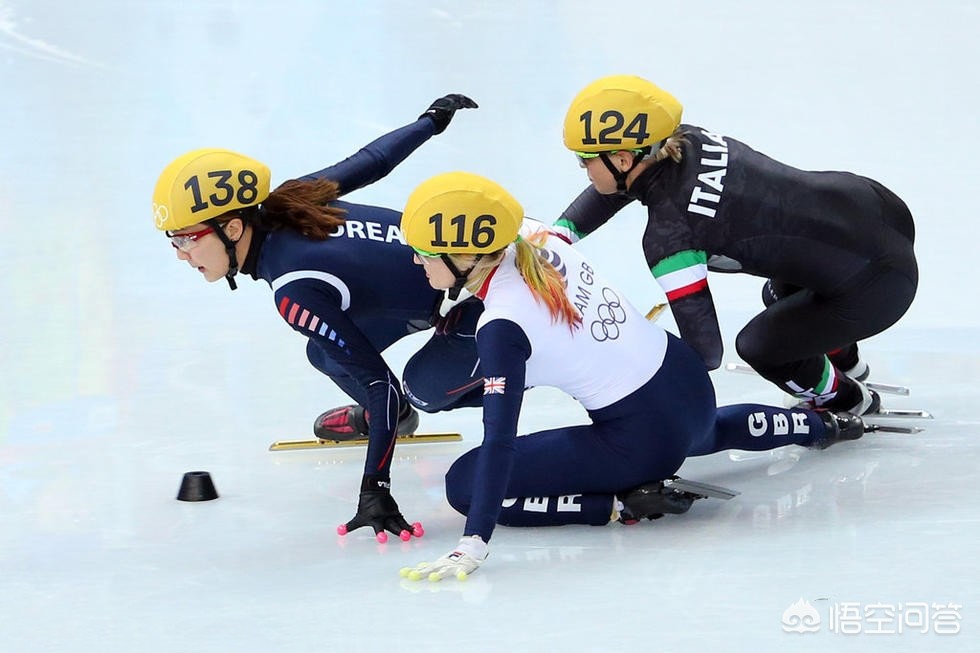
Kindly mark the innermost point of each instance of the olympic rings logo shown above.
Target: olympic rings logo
(160, 214)
(611, 314)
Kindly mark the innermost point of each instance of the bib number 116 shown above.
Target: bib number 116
(478, 233)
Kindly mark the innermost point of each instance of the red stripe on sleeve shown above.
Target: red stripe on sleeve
(689, 289)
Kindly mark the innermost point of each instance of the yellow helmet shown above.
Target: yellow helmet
(620, 112)
(203, 184)
(460, 213)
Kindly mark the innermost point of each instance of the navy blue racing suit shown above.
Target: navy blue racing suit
(358, 292)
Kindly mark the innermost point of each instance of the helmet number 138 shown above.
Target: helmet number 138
(614, 121)
(225, 192)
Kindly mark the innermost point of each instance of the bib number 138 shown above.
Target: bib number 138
(245, 190)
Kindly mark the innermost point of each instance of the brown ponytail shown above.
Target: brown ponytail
(302, 206)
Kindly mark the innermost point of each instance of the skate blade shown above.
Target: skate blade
(703, 489)
(888, 388)
(655, 312)
(885, 388)
(883, 428)
(898, 413)
(415, 438)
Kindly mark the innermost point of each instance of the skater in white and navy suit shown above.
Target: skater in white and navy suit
(552, 319)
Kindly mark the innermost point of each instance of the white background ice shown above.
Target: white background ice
(120, 369)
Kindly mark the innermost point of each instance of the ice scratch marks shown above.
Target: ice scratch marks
(13, 39)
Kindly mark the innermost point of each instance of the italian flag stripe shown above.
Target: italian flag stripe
(679, 261)
(567, 228)
(684, 291)
(682, 274)
(828, 380)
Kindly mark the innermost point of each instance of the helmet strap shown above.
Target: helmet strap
(229, 248)
(457, 287)
(621, 175)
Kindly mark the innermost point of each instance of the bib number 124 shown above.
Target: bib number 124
(614, 121)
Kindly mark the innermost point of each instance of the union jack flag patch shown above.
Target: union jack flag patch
(494, 385)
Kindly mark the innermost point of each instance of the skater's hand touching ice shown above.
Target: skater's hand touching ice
(459, 563)
(377, 508)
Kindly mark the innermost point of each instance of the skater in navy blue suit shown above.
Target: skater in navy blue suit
(343, 278)
(551, 319)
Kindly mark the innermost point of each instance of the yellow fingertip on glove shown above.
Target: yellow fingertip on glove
(410, 573)
(458, 563)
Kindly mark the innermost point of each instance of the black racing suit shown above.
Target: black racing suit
(835, 247)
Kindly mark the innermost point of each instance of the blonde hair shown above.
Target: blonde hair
(672, 147)
(542, 278)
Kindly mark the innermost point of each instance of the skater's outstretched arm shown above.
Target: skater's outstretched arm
(379, 157)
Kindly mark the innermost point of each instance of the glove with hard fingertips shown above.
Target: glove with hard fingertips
(377, 508)
(441, 111)
(459, 563)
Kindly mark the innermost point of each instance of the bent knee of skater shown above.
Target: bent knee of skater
(750, 350)
(419, 403)
(429, 400)
(459, 501)
(418, 398)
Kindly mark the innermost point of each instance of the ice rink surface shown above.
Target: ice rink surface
(120, 369)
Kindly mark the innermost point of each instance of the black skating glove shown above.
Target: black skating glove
(377, 508)
(441, 111)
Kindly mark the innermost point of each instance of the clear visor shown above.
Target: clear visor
(592, 155)
(187, 242)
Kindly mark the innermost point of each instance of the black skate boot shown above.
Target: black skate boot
(859, 372)
(653, 501)
(849, 361)
(840, 426)
(870, 402)
(351, 423)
